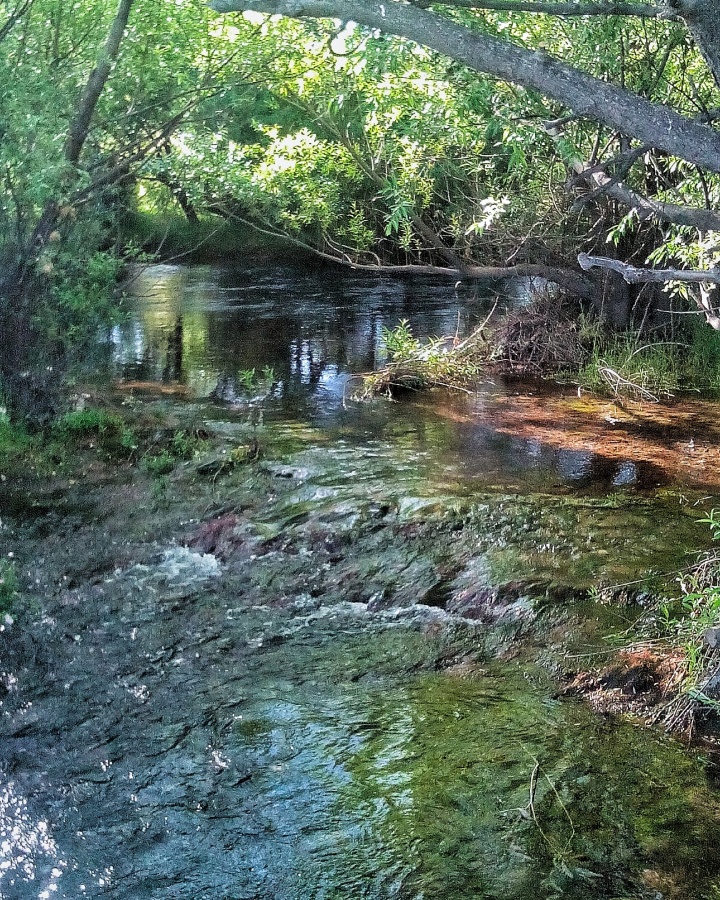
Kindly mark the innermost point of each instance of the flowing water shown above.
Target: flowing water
(335, 672)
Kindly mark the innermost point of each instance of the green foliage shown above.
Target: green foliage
(88, 421)
(713, 520)
(399, 341)
(183, 444)
(251, 380)
(631, 364)
(686, 622)
(414, 365)
(109, 431)
(246, 378)
(160, 463)
(15, 444)
(60, 254)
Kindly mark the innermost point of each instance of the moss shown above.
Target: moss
(15, 444)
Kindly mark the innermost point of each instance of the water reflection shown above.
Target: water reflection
(292, 338)
(193, 325)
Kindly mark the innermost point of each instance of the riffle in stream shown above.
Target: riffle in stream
(335, 671)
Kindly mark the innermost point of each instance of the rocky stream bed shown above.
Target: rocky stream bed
(332, 671)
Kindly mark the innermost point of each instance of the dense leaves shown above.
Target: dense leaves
(359, 145)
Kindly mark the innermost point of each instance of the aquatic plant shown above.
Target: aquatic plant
(694, 625)
(250, 379)
(415, 365)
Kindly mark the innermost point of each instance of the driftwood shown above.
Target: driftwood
(636, 275)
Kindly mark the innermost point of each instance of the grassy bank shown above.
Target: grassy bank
(650, 367)
(549, 340)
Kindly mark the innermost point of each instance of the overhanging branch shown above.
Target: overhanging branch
(637, 10)
(605, 185)
(637, 275)
(651, 123)
(706, 281)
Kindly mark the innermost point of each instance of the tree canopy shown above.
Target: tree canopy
(470, 137)
(461, 30)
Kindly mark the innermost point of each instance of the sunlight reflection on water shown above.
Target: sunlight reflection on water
(27, 847)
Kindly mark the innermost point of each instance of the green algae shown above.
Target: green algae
(424, 781)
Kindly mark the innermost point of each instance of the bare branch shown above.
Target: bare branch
(646, 208)
(706, 281)
(637, 275)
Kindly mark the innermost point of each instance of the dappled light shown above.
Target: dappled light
(359, 450)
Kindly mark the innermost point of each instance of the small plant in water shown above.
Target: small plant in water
(713, 520)
(695, 627)
(399, 341)
(414, 365)
(246, 378)
(88, 421)
(250, 379)
(159, 464)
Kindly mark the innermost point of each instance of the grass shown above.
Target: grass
(686, 624)
(626, 363)
(109, 430)
(15, 443)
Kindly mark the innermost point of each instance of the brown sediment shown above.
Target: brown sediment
(677, 440)
(172, 389)
(639, 681)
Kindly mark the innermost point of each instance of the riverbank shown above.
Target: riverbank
(552, 337)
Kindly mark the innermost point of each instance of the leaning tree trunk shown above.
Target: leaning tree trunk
(702, 18)
(31, 366)
(654, 124)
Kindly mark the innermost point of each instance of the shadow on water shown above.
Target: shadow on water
(328, 704)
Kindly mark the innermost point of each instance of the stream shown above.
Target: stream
(324, 656)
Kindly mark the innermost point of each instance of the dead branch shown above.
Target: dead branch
(597, 177)
(637, 275)
(706, 280)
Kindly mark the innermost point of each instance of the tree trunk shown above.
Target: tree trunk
(31, 368)
(80, 126)
(702, 18)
